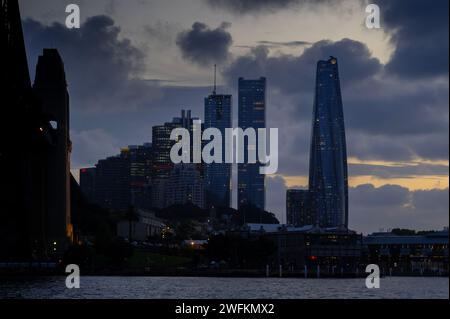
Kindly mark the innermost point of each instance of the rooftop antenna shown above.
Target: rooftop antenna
(214, 90)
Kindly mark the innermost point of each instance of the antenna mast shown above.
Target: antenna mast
(214, 90)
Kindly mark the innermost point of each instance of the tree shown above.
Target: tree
(251, 214)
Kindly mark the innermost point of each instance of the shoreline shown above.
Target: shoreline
(206, 274)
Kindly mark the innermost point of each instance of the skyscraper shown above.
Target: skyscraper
(162, 144)
(328, 178)
(162, 165)
(252, 114)
(218, 114)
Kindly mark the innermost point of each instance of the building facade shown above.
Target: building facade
(146, 225)
(112, 180)
(328, 177)
(120, 181)
(218, 114)
(140, 160)
(162, 165)
(185, 185)
(87, 183)
(252, 114)
(412, 254)
(299, 210)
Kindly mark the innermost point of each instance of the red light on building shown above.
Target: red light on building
(313, 258)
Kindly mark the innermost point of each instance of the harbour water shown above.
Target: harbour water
(222, 288)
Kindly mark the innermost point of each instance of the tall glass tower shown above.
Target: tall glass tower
(218, 175)
(252, 114)
(328, 178)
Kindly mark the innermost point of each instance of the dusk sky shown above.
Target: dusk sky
(136, 63)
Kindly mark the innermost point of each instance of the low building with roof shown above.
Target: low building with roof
(398, 254)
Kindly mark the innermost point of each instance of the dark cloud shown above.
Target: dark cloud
(276, 197)
(384, 197)
(293, 74)
(205, 46)
(374, 208)
(101, 67)
(110, 106)
(429, 200)
(420, 36)
(383, 106)
(392, 206)
(112, 130)
(397, 148)
(92, 145)
(260, 6)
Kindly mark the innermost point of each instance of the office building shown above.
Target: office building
(112, 182)
(218, 114)
(162, 165)
(328, 178)
(252, 114)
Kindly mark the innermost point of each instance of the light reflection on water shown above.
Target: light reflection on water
(222, 288)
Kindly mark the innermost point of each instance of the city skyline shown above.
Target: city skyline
(403, 164)
(303, 160)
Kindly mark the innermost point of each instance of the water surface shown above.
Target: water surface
(222, 288)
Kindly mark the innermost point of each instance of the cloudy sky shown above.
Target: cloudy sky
(136, 63)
